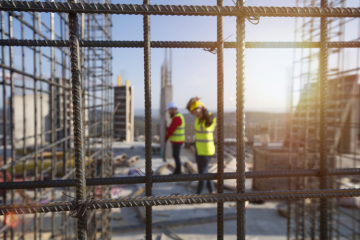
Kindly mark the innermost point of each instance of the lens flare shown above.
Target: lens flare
(12, 220)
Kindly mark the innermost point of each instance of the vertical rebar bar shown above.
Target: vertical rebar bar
(310, 94)
(4, 112)
(147, 90)
(240, 120)
(53, 116)
(323, 67)
(24, 117)
(42, 127)
(12, 117)
(65, 144)
(77, 122)
(220, 122)
(103, 162)
(35, 126)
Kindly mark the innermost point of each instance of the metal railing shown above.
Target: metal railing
(85, 204)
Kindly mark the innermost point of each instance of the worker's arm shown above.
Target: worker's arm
(176, 122)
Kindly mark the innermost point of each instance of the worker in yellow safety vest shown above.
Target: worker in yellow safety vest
(176, 134)
(204, 126)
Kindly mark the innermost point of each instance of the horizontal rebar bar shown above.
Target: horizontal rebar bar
(174, 178)
(28, 6)
(172, 44)
(179, 199)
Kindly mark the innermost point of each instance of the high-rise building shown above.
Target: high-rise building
(124, 112)
(165, 98)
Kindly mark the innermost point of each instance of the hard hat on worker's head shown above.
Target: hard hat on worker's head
(194, 103)
(170, 105)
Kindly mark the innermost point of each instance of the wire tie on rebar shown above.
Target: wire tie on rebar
(213, 50)
(79, 208)
(144, 175)
(252, 18)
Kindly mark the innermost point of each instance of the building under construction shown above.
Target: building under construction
(124, 112)
(65, 176)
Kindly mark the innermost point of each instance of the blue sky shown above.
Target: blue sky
(194, 70)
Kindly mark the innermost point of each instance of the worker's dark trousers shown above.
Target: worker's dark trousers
(176, 147)
(203, 167)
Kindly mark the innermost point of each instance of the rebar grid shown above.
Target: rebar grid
(82, 138)
(46, 90)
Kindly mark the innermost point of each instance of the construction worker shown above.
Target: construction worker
(204, 126)
(176, 134)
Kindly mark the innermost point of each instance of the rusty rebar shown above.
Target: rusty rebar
(77, 121)
(220, 122)
(149, 201)
(240, 120)
(171, 44)
(323, 68)
(147, 90)
(29, 6)
(176, 178)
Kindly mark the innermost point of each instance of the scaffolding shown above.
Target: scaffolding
(37, 118)
(340, 127)
(84, 208)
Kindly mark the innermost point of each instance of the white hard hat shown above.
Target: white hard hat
(170, 105)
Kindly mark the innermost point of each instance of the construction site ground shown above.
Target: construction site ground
(196, 221)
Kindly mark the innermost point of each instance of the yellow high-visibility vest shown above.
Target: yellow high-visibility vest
(179, 134)
(204, 138)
